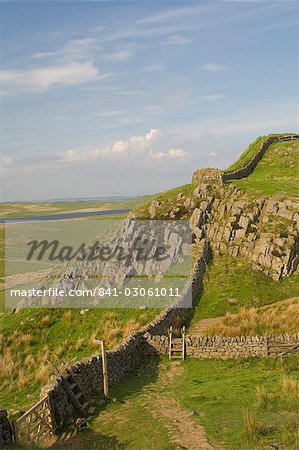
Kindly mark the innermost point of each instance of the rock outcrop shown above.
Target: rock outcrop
(265, 230)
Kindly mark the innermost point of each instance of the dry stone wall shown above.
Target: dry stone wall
(88, 375)
(207, 176)
(251, 165)
(249, 168)
(218, 347)
(265, 230)
(6, 434)
(88, 372)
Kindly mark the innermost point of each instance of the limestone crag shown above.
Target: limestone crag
(133, 250)
(265, 230)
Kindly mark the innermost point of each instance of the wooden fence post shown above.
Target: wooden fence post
(104, 365)
(170, 342)
(105, 370)
(183, 343)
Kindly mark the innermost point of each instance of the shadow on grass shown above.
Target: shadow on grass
(196, 297)
(90, 440)
(145, 374)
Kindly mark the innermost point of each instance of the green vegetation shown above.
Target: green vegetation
(129, 420)
(26, 209)
(244, 404)
(277, 225)
(30, 337)
(2, 265)
(250, 152)
(247, 155)
(280, 318)
(277, 172)
(168, 200)
(249, 403)
(230, 283)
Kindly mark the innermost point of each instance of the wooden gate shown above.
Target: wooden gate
(35, 425)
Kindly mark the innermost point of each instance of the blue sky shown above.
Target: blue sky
(125, 98)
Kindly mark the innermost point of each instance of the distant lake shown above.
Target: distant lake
(74, 215)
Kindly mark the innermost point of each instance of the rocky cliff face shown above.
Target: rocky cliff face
(265, 230)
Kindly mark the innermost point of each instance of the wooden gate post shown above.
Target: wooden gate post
(183, 343)
(104, 365)
(105, 370)
(170, 342)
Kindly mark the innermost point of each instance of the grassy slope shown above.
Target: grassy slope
(275, 319)
(209, 386)
(247, 155)
(168, 199)
(221, 392)
(217, 394)
(28, 338)
(233, 279)
(277, 172)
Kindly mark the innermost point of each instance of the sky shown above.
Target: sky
(129, 98)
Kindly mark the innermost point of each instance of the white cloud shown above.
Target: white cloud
(41, 79)
(170, 15)
(177, 39)
(5, 162)
(135, 146)
(75, 48)
(143, 147)
(171, 153)
(213, 67)
(122, 55)
(153, 145)
(211, 97)
(120, 147)
(150, 134)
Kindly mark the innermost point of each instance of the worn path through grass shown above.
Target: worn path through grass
(144, 416)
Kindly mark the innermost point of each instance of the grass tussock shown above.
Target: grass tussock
(253, 428)
(265, 399)
(231, 284)
(271, 320)
(68, 315)
(248, 403)
(30, 340)
(280, 409)
(290, 386)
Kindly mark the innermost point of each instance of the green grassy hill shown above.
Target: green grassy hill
(230, 284)
(265, 409)
(30, 337)
(247, 155)
(277, 172)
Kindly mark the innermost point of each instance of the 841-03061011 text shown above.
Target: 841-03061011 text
(98, 292)
(139, 292)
